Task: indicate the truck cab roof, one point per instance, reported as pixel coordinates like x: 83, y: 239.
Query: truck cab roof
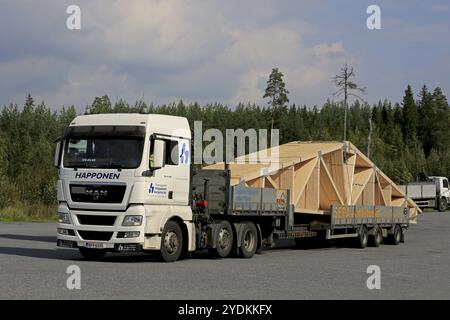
x: 155, y: 123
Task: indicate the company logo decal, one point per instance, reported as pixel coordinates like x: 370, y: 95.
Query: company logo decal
x: 97, y: 175
x: 184, y: 155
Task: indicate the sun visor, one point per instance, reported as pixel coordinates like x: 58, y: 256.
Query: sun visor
x: 105, y: 131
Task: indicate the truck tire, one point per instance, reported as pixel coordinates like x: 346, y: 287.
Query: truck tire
x: 377, y: 237
x: 442, y: 205
x: 171, y: 242
x: 224, y: 240
x: 92, y: 254
x: 395, y: 237
x: 363, y: 237
x: 248, y: 241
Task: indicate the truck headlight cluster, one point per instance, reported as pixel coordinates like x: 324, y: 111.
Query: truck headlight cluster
x: 64, y: 218
x: 132, y: 221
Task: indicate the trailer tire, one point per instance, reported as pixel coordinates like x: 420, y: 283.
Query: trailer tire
x: 363, y: 237
x: 92, y: 254
x: 248, y: 240
x: 171, y: 242
x: 442, y: 205
x: 396, y: 237
x: 377, y: 237
x: 224, y: 240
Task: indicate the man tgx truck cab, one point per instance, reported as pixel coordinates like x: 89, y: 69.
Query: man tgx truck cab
x: 119, y: 187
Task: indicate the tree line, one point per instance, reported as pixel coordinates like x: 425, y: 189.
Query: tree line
x: 407, y: 139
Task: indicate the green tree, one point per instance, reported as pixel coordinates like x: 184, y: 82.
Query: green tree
x: 276, y: 92
x: 410, y: 117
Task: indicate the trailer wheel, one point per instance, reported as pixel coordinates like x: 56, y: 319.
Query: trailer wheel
x: 248, y: 241
x: 171, y: 242
x: 92, y: 254
x: 377, y: 237
x: 396, y: 237
x: 224, y: 240
x: 442, y: 204
x: 363, y: 237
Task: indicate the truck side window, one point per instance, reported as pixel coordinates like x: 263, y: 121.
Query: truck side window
x: 445, y: 183
x: 172, y: 153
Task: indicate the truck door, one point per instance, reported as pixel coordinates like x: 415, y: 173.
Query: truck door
x: 162, y: 183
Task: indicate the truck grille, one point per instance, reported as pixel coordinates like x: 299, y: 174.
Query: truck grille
x: 95, y: 235
x: 97, y: 193
x: 96, y: 220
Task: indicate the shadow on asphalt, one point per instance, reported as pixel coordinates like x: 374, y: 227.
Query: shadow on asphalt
x: 68, y: 254
x: 29, y: 237
x: 41, y: 253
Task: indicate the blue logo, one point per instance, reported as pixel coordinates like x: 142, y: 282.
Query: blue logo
x: 152, y: 188
x: 184, y: 156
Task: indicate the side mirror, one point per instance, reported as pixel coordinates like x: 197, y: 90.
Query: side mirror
x: 159, y: 152
x: 57, y: 159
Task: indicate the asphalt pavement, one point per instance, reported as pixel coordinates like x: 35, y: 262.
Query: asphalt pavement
x: 31, y: 267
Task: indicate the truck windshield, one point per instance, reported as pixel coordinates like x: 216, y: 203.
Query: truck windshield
x: 103, y: 147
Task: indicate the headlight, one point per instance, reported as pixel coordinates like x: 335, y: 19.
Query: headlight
x: 132, y: 221
x: 63, y: 218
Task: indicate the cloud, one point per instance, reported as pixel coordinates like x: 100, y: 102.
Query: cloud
x: 164, y: 50
x: 439, y: 8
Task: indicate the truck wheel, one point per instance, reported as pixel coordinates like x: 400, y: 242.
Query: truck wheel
x: 224, y: 240
x: 171, y: 242
x: 442, y: 204
x: 377, y: 237
x: 92, y: 254
x: 249, y: 240
x: 363, y: 237
x: 396, y: 237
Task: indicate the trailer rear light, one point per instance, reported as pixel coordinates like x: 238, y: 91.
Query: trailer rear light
x: 202, y: 203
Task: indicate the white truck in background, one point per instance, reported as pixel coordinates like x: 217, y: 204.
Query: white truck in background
x: 125, y: 183
x: 432, y: 193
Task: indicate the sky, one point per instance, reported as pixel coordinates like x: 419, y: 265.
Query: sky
x: 162, y: 51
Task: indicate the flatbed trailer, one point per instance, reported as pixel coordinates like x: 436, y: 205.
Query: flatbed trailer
x: 275, y: 217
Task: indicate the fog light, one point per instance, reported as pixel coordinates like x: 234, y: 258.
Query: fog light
x: 128, y: 234
x: 66, y: 232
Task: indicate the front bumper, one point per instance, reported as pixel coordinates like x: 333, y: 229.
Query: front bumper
x: 82, y: 233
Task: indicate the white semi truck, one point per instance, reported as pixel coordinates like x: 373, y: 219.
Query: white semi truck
x: 432, y: 193
x: 126, y: 184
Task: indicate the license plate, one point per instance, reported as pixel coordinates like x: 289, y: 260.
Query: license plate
x: 95, y: 245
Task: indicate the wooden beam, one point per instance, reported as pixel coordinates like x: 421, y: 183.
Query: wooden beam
x: 361, y: 178
x: 349, y: 172
x: 328, y: 192
x: 302, y: 174
x: 334, y: 162
x: 272, y: 182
